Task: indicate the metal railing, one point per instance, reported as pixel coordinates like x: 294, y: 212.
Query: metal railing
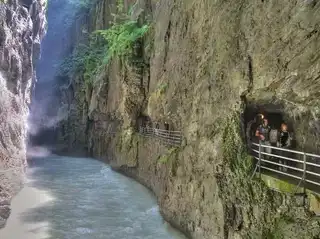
x: 291, y: 163
x: 166, y: 136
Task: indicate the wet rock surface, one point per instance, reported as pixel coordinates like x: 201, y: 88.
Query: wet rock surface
x: 20, y: 34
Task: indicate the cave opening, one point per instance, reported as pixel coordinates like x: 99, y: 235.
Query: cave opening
x: 143, y: 121
x: 253, y: 115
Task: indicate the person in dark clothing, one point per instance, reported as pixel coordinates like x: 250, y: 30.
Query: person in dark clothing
x: 251, y: 128
x: 156, y: 130
x: 284, y: 136
x: 166, y: 125
x: 284, y: 141
x: 262, y: 133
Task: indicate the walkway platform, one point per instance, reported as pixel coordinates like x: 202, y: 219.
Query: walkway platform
x: 301, y: 177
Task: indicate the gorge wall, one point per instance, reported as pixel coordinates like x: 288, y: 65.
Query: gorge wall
x: 22, y: 26
x: 199, y: 67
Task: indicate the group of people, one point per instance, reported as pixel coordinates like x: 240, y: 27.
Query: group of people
x: 148, y: 125
x: 280, y: 138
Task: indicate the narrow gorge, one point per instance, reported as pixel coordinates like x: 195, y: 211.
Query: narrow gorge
x: 201, y: 68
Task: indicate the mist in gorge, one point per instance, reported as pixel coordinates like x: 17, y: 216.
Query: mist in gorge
x: 46, y: 111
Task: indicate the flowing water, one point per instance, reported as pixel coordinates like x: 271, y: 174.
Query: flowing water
x: 79, y: 198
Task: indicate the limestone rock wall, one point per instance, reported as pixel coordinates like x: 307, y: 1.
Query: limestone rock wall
x: 21, y: 30
x: 90, y: 124
x: 201, y: 59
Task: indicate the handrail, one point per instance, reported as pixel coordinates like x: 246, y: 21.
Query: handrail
x: 279, y: 156
x: 299, y: 173
x: 282, y: 149
x: 164, y: 130
x: 279, y: 164
x: 167, y: 136
x: 290, y: 151
x: 313, y: 155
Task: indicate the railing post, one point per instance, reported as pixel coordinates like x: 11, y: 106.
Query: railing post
x: 304, y: 171
x: 259, y: 159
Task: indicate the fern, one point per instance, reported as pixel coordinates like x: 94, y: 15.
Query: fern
x: 117, y: 41
x: 122, y: 37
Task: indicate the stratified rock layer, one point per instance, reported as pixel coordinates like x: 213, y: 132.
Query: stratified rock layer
x: 22, y: 27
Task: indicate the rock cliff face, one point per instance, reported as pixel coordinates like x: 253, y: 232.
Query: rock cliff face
x: 201, y: 66
x: 22, y: 26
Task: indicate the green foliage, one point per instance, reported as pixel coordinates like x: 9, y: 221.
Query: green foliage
x: 122, y: 37
x: 130, y: 11
x: 278, y: 231
x: 86, y: 59
x: 234, y: 150
x: 162, y: 88
x: 117, y: 41
x: 120, y: 5
x: 165, y: 158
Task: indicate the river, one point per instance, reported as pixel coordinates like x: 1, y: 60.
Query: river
x: 81, y: 198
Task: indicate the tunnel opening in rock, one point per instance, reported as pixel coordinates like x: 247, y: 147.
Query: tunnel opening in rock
x: 254, y: 115
x: 143, y: 121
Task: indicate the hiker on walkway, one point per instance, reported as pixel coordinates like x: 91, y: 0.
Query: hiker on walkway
x: 156, y: 130
x: 273, y: 139
x: 251, y: 127
x: 262, y: 133
x: 284, y: 141
x: 166, y: 125
x: 146, y: 125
